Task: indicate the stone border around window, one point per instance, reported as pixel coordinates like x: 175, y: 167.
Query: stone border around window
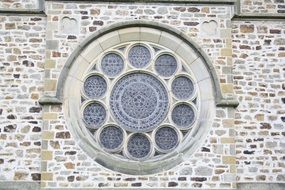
x: 166, y: 33
x: 79, y: 62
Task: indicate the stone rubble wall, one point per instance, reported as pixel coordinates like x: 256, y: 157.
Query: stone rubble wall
x: 259, y: 62
x: 22, y: 54
x: 34, y: 48
x: 263, y: 6
x: 19, y: 4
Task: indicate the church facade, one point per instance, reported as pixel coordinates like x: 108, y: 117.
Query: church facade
x: 164, y: 94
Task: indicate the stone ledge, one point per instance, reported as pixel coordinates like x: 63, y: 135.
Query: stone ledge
x: 19, y: 185
x: 49, y: 100
x: 262, y: 17
x: 22, y: 12
x: 227, y: 103
x: 160, y: 1
x: 261, y: 186
x: 35, y: 186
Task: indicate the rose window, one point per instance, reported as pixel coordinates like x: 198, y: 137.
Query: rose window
x: 139, y: 101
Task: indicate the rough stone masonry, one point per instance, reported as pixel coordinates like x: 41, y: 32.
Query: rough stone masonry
x: 244, y: 40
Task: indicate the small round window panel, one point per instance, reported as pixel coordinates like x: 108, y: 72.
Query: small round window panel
x: 166, y: 138
x: 112, y: 64
x: 182, y: 87
x: 166, y: 65
x: 139, y: 56
x: 111, y: 137
x: 94, y: 115
x: 95, y: 86
x: 139, y: 146
x: 183, y: 115
x: 139, y: 102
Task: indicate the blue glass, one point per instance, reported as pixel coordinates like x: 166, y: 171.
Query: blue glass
x: 139, y: 102
x: 139, y: 146
x: 139, y: 56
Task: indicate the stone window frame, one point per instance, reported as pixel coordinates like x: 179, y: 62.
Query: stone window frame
x: 150, y: 70
x: 164, y: 35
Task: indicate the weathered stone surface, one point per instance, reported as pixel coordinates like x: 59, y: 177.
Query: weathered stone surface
x: 247, y: 28
x: 203, y: 171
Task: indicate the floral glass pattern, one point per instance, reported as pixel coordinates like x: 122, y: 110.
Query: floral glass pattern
x: 139, y: 56
x: 95, y: 86
x: 144, y: 112
x: 112, y: 64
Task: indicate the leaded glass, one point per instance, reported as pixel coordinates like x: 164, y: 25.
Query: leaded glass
x: 112, y: 64
x: 139, y: 146
x: 139, y: 56
x: 94, y: 115
x: 166, y: 138
x: 139, y: 102
x: 111, y: 137
x: 183, y: 115
x: 182, y: 87
x: 95, y: 86
x: 166, y: 65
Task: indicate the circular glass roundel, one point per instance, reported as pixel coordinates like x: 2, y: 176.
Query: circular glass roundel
x: 182, y: 87
x: 94, y: 115
x: 165, y: 65
x: 111, y: 137
x: 139, y: 56
x: 166, y: 138
x: 139, y: 102
x: 112, y: 64
x: 139, y: 146
x: 183, y: 115
x: 95, y: 86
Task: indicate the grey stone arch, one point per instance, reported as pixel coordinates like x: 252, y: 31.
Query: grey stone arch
x: 219, y: 99
x: 71, y: 79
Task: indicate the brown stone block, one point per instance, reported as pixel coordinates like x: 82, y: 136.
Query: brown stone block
x: 259, y: 117
x: 247, y: 28
x: 69, y: 165
x: 47, y: 135
x: 20, y: 175
x: 46, y: 155
x: 10, y: 26
x: 50, y: 85
x: 45, y: 176
x: 227, y: 88
x: 228, y: 123
x: 49, y: 64
x: 229, y: 160
x: 226, y: 52
x: 227, y: 140
x: 49, y: 116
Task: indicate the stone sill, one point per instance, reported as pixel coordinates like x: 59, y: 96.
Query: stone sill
x: 158, y: 1
x: 23, y: 185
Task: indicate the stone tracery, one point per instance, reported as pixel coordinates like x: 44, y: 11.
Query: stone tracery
x: 140, y: 101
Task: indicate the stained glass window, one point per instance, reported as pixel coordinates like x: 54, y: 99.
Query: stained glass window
x: 143, y: 112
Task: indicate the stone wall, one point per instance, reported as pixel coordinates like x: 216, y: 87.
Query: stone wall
x: 263, y: 6
x: 22, y: 54
x: 259, y: 60
x: 246, y: 145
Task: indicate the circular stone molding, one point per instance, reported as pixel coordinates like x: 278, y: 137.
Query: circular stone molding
x: 141, y: 107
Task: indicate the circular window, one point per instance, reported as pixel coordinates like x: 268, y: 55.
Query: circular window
x: 144, y: 113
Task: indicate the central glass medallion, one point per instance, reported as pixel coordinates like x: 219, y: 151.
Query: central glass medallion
x: 139, y: 102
